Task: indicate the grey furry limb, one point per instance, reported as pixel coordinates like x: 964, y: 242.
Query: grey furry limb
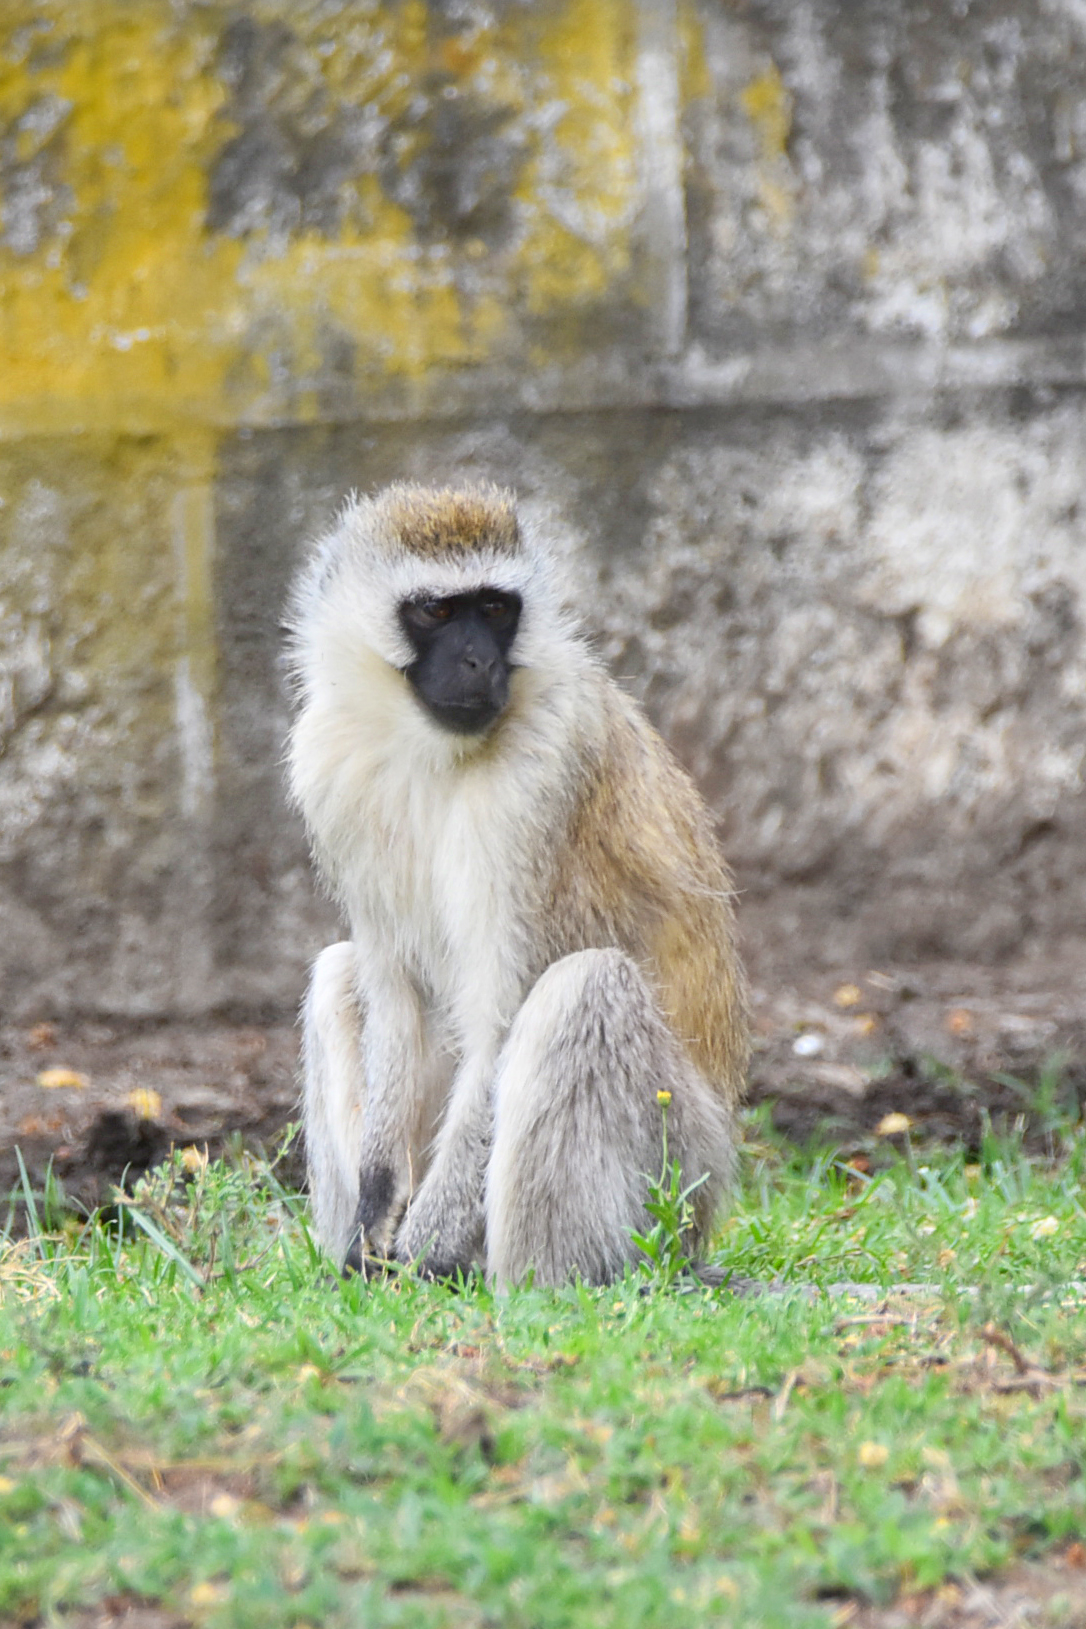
x: 578, y: 1124
x: 333, y: 1096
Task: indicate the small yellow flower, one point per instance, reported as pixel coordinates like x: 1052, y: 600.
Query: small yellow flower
x: 847, y: 995
x: 872, y: 1455
x: 663, y: 1097
x: 689, y: 1529
x: 1045, y: 1228
x: 194, y: 1159
x: 892, y: 1125
x: 207, y: 1594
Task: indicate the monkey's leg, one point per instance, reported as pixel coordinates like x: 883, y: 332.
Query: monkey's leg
x: 443, y: 1228
x: 373, y: 1087
x: 334, y: 1091
x: 578, y: 1125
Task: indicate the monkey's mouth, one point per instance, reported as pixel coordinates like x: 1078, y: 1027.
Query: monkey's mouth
x: 470, y: 716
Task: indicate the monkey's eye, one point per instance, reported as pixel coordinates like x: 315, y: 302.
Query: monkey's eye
x: 430, y: 613
x: 498, y: 609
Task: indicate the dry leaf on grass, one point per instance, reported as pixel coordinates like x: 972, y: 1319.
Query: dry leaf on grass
x: 54, y: 1079
x: 892, y: 1125
x: 145, y: 1103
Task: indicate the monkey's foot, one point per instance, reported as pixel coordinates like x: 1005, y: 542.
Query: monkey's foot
x: 452, y: 1273
x: 439, y: 1246
x: 438, y: 1265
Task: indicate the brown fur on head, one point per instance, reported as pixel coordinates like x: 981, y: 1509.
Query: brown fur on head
x: 435, y: 521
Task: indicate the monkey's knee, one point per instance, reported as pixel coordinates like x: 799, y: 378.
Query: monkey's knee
x: 333, y: 1091
x: 578, y: 1124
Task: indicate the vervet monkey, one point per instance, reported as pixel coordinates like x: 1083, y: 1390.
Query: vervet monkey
x: 541, y: 935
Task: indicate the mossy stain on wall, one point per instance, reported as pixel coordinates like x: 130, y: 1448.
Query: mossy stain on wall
x: 767, y: 103
x: 244, y: 217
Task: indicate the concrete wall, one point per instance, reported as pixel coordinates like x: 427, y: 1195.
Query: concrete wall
x: 775, y: 310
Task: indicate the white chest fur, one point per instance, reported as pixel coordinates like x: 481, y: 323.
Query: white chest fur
x: 430, y: 880
x: 422, y: 835
x: 435, y: 843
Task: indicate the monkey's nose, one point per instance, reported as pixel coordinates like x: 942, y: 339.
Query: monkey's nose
x: 478, y: 664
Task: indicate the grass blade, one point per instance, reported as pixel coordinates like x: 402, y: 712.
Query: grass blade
x: 164, y: 1243
x: 33, y: 1220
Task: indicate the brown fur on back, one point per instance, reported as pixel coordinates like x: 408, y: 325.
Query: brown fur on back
x: 642, y: 871
x: 434, y: 521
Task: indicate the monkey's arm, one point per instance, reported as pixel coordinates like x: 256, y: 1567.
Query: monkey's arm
x: 393, y: 1054
x: 444, y: 1224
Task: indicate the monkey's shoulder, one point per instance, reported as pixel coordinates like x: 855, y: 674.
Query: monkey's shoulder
x: 639, y: 806
x: 641, y: 869
x: 639, y: 849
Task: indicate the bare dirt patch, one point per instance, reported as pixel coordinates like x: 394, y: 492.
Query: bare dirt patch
x: 127, y: 1093
x: 945, y: 1045
x: 834, y: 1053
x: 127, y: 1612
x: 1049, y: 1594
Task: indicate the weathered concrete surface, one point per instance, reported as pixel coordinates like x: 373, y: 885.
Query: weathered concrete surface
x: 299, y: 209
x: 774, y: 312
x: 887, y: 170
x: 892, y: 732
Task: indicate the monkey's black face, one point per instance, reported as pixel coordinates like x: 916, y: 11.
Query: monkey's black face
x: 461, y: 667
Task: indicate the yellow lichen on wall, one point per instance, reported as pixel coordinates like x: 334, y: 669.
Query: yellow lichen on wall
x: 124, y: 304
x: 108, y: 763
x: 122, y: 298
x: 579, y: 191
x: 767, y: 103
x: 92, y: 541
x: 696, y: 79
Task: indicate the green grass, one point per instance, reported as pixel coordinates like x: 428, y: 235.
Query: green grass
x: 194, y: 1412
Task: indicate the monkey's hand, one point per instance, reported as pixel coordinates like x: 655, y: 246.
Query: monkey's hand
x: 362, y: 1263
x: 442, y: 1232
x: 373, y: 1217
x: 445, y: 1225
